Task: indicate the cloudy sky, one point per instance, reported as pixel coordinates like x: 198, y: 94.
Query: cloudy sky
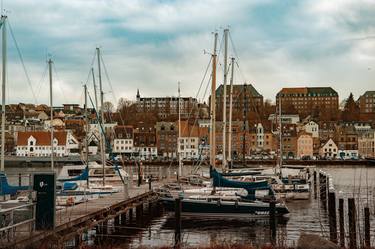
x: 151, y: 45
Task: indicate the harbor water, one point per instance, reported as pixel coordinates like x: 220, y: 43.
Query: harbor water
x: 157, y: 227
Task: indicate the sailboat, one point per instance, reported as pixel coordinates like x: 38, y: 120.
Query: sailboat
x: 216, y: 204
x: 5, y: 188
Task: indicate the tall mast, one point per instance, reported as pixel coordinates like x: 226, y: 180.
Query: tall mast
x: 225, y: 96
x: 230, y: 114
x: 86, y: 136
x: 213, y: 107
x: 179, y: 132
x: 93, y: 82
x: 4, y: 51
x: 102, y: 137
x: 244, y: 125
x: 280, y: 138
x: 51, y: 104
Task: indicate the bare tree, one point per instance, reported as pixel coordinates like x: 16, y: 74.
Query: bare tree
x: 108, y: 107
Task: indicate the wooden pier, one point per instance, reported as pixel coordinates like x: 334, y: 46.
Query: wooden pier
x: 72, y: 222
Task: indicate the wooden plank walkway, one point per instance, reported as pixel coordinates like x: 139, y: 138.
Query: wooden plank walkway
x: 72, y: 220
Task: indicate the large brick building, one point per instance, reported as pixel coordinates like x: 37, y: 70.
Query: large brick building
x: 167, y: 106
x: 306, y: 100
x: 166, y: 139
x: 244, y: 96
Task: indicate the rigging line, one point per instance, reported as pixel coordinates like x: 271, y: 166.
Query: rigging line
x: 91, y: 65
x: 41, y: 81
x: 22, y: 61
x: 110, y: 84
x: 58, y: 79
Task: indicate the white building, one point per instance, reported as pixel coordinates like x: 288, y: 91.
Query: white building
x: 188, y: 147
x: 123, y: 141
x: 260, y: 135
x: 285, y: 118
x: 329, y: 149
x: 146, y: 153
x: 38, y: 143
x: 313, y: 128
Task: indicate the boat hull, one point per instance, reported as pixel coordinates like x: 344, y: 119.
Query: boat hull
x: 223, y: 208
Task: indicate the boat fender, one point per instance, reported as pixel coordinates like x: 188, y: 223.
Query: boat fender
x: 218, y: 202
x: 236, y: 203
x: 70, y: 201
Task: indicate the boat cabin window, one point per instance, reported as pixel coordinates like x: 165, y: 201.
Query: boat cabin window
x: 74, y: 172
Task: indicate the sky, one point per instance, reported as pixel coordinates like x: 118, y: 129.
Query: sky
x: 151, y: 45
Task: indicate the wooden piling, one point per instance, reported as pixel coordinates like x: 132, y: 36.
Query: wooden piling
x: 131, y: 214
x: 332, y: 217
x: 367, y: 227
x: 352, y: 223
x: 78, y: 240
x: 315, y: 183
x: 123, y: 218
x: 105, y: 227
x: 177, y: 213
x: 116, y: 223
x: 273, y: 221
x: 139, y: 211
x: 20, y: 180
x: 341, y: 222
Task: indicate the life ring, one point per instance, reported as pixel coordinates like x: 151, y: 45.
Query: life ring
x: 70, y: 201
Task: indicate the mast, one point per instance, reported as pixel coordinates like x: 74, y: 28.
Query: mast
x: 225, y: 96
x: 102, y: 138
x: 230, y: 115
x: 213, y: 107
x: 179, y: 133
x: 280, y: 138
x: 93, y: 82
x: 86, y: 136
x: 244, y: 125
x: 51, y: 104
x: 3, y: 78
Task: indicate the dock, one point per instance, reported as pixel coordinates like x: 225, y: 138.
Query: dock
x: 73, y: 221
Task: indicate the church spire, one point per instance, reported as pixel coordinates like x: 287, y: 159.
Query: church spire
x: 138, y: 95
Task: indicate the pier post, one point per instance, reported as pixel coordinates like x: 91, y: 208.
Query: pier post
x: 105, y: 227
x: 19, y: 179
x: 139, y: 211
x: 323, y: 189
x: 123, y: 218
x: 149, y: 182
x: 332, y: 217
x: 273, y: 221
x: 177, y: 212
x: 315, y: 183
x: 78, y: 240
x: 341, y: 222
x: 352, y: 224
x: 117, y: 223
x: 367, y: 227
x: 131, y: 214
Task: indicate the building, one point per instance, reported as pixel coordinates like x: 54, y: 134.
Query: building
x: 166, y: 139
x: 167, y: 106
x: 285, y: 118
x: 327, y: 130
x: 123, y: 140
x: 244, y: 97
x: 289, y: 141
x: 145, y: 141
x: 347, y: 141
x: 366, y: 144
x: 367, y: 102
x: 305, y: 145
x: 306, y: 100
x: 38, y: 144
x: 312, y: 128
x: 329, y: 150
x: 193, y: 141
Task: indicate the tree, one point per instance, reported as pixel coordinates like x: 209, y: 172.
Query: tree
x: 108, y: 107
x: 351, y: 110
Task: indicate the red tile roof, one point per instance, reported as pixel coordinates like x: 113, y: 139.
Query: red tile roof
x: 43, y: 138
